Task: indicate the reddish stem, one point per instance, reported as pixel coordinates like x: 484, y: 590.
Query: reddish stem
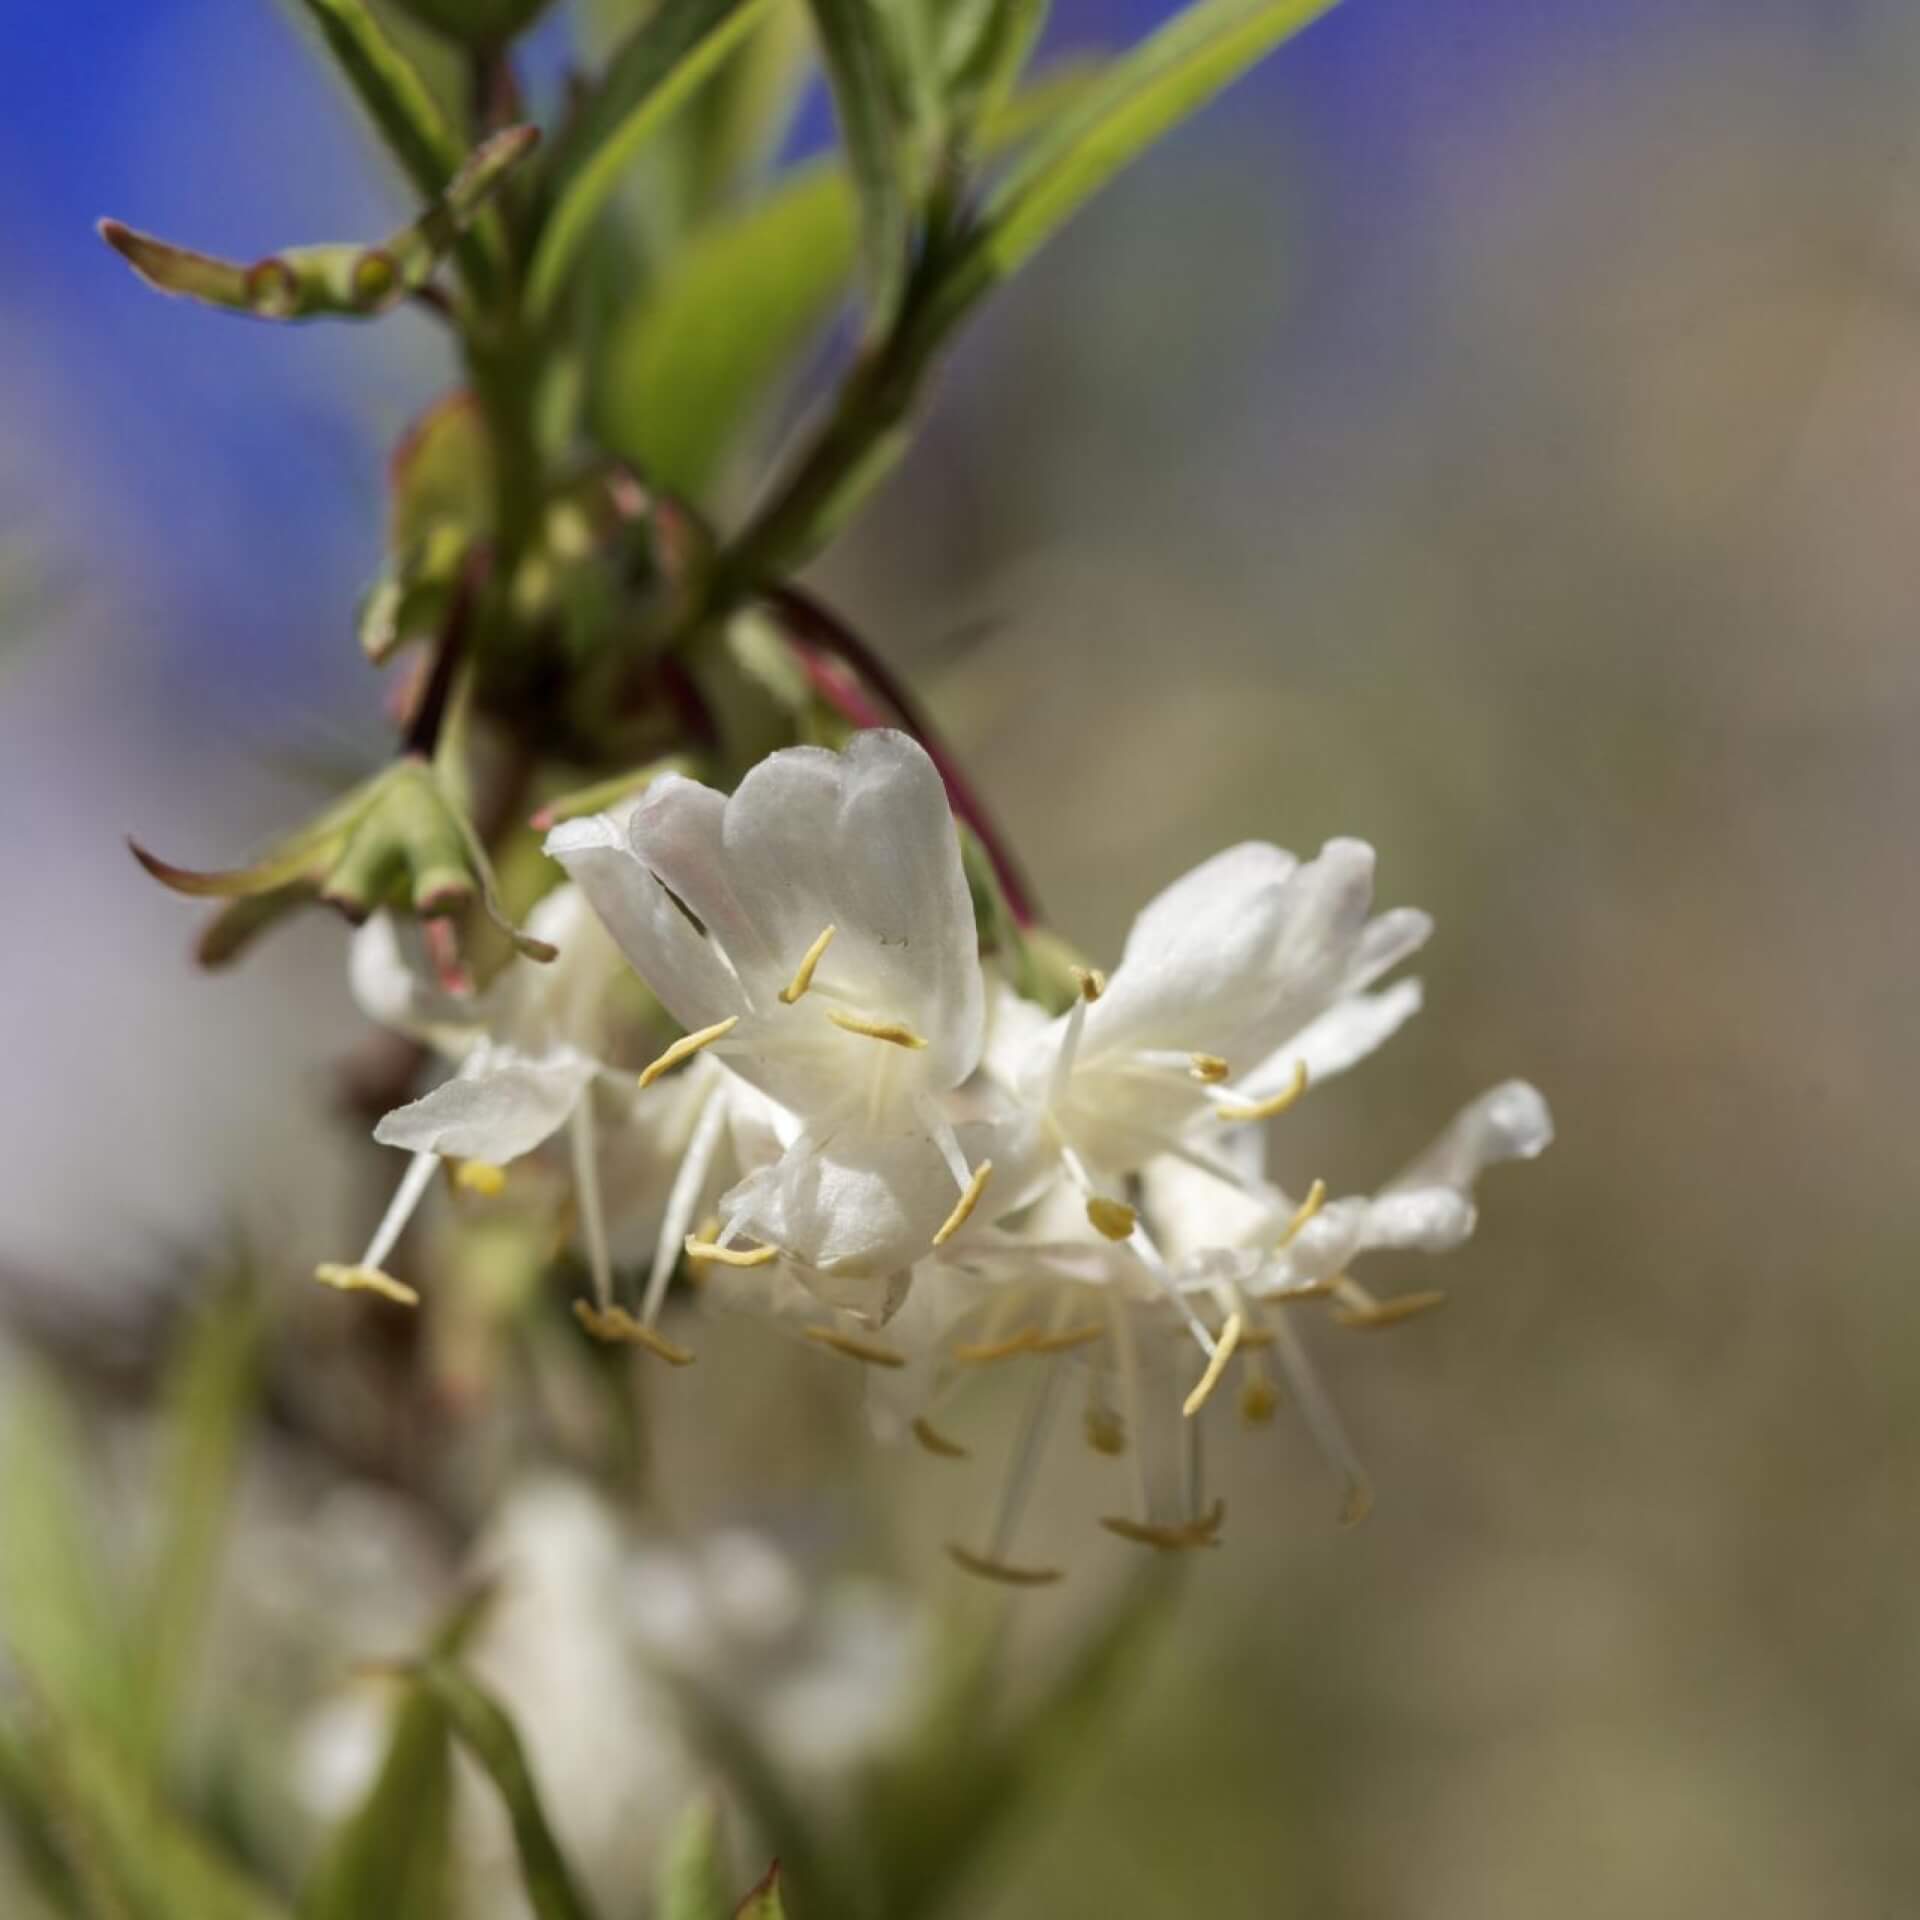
x: 815, y: 629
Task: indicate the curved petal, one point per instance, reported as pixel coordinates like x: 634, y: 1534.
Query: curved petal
x: 1261, y: 947
x: 694, y: 983
x: 1342, y: 1037
x: 863, y: 840
x: 1509, y: 1122
x: 495, y: 1115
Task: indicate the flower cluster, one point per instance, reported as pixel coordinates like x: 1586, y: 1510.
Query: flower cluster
x: 881, y: 1142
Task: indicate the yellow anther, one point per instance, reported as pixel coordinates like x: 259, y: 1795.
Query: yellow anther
x: 1374, y: 1316
x: 985, y: 1352
x: 686, y: 1047
x: 937, y: 1443
x: 1203, y: 1532
x: 803, y: 974
x: 982, y: 1568
x: 1258, y: 1401
x: 1091, y: 982
x: 1066, y: 1339
x: 479, y: 1176
x: 1356, y: 1503
x: 346, y: 1279
x: 1113, y: 1219
x: 896, y: 1033
x: 698, y: 1249
x: 871, y: 1352
x: 1106, y: 1431
x: 1272, y: 1107
x: 617, y: 1327
x: 1217, y: 1365
x: 1209, y: 1068
x: 1315, y: 1200
x: 964, y: 1206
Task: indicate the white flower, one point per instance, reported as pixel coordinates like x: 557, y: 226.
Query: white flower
x: 1237, y: 984
x: 815, y: 931
x: 527, y: 1058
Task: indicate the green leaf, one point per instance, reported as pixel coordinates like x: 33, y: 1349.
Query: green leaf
x: 984, y: 48
x: 483, y: 1728
x: 54, y: 1582
x: 392, y: 1857
x: 1143, y: 96
x: 210, y: 1392
x: 662, y: 63
x: 855, y: 46
x: 684, y: 371
x: 764, y: 1902
x: 131, y: 1853
x: 692, y: 1879
x: 391, y: 90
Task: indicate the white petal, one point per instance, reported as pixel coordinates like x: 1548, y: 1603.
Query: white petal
x: 1261, y: 948
x: 864, y: 841
x: 858, y: 1208
x: 1511, y: 1122
x: 495, y: 1115
x: 1424, y: 1219
x: 676, y: 831
x: 670, y: 954
x: 1342, y: 1037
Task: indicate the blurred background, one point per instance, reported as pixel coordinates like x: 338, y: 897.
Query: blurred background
x: 1490, y: 431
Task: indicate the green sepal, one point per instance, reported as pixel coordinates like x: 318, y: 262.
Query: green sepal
x: 399, y: 840
x: 764, y: 1901
x: 341, y: 282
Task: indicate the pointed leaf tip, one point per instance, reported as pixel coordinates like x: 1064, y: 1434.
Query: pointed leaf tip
x: 764, y: 1902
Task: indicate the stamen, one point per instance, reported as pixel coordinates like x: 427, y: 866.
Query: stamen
x: 895, y: 1032
x: 363, y: 1279
x: 684, y: 1195
x: 479, y: 1176
x: 1065, y: 1339
x: 706, y: 1233
x: 1187, y: 1534
x: 855, y: 1348
x: 803, y: 974
x: 686, y: 1047
x: 1315, y: 1200
x: 699, y: 1249
x: 586, y: 1186
x: 1106, y: 1431
x: 617, y: 1327
x: 983, y: 1568
x: 1258, y: 1400
x: 1323, y: 1422
x: 1209, y: 1068
x: 1229, y: 1340
x: 1091, y: 982
x: 985, y: 1352
x: 1113, y: 1219
x: 1355, y: 1307
x: 1272, y: 1107
x: 964, y: 1206
x: 937, y: 1443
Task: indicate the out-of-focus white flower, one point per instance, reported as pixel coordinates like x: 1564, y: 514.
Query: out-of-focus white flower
x: 597, y: 1633
x: 814, y: 930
